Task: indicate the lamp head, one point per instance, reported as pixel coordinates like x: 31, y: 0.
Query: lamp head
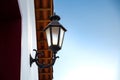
x: 55, y: 33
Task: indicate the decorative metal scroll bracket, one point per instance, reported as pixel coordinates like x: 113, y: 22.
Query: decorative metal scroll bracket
x: 42, y: 65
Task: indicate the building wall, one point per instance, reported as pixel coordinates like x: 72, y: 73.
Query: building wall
x: 28, y: 41
x: 18, y: 39
x: 10, y: 40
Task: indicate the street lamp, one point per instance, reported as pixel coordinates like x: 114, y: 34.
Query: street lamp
x: 55, y: 35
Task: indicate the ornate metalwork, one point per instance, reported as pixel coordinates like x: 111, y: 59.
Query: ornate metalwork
x: 42, y: 65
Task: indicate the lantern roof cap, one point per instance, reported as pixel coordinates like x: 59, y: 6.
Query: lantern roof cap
x: 55, y: 17
x: 55, y: 24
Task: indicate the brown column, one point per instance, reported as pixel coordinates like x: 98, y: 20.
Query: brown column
x: 43, y: 10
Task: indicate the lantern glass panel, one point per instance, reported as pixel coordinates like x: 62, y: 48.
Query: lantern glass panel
x: 55, y: 33
x: 61, y: 37
x: 48, y: 36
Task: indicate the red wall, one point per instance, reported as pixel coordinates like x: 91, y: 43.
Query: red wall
x: 10, y: 40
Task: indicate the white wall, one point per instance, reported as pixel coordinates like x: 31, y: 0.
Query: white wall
x: 28, y: 40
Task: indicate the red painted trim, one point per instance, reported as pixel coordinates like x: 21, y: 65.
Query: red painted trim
x: 10, y: 40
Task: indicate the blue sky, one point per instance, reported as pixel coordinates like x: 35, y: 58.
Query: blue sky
x: 91, y: 47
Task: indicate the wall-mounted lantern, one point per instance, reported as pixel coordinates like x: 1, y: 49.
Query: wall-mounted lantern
x: 55, y: 35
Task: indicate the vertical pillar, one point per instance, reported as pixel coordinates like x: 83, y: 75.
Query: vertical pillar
x: 43, y: 10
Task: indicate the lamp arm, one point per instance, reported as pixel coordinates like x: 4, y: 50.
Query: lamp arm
x: 47, y: 65
x: 40, y: 65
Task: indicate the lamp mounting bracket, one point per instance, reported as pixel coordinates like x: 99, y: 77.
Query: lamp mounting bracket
x: 42, y: 65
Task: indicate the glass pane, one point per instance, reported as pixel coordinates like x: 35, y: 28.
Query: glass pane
x: 61, y: 37
x: 55, y: 32
x: 48, y: 36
